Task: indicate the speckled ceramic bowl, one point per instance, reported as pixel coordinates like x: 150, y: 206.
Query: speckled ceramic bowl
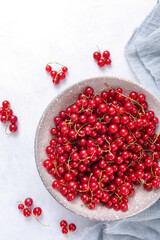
x: 141, y: 200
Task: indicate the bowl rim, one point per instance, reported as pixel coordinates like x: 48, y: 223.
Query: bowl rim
x: 41, y: 119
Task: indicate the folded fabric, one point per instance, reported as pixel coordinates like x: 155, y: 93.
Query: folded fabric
x: 143, y: 55
x: 143, y: 51
x: 144, y: 226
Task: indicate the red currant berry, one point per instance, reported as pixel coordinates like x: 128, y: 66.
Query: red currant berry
x: 3, y: 119
x: 70, y: 196
x: 124, y: 206
x: 26, y: 212
x: 56, y: 80
x: 108, y: 61
x: 101, y: 62
x: 97, y: 55
x: 55, y: 184
x: 5, y: 104
x: 20, y: 206
x: 28, y: 202
x: 48, y: 68
x: 13, y: 127
x: 64, y: 69
x: 72, y: 227
x: 13, y: 119
x: 63, y: 223
x: 61, y: 75
x: 47, y: 163
x: 106, y: 54
x: 64, y: 230
x: 53, y: 74
x: 37, y: 211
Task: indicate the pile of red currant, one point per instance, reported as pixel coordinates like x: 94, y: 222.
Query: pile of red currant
x: 102, y: 58
x: 6, y: 114
x: 103, y: 145
x: 27, y: 212
x: 57, y: 75
x: 67, y: 228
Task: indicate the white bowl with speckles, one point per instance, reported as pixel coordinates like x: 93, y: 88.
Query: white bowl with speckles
x: 141, y: 200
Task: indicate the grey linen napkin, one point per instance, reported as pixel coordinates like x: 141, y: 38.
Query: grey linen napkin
x: 143, y: 51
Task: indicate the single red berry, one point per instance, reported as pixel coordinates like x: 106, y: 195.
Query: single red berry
x: 20, y: 206
x: 101, y: 62
x: 91, y: 205
x: 26, y: 212
x: 64, y: 230
x: 141, y: 98
x: 155, y: 182
x: 124, y: 206
x: 3, y: 119
x: 5, y: 104
x: 55, y: 184
x: 53, y: 74
x: 9, y: 112
x: 108, y: 61
x: 61, y: 75
x: 47, y: 163
x: 13, y: 127
x: 37, y: 211
x: 85, y: 197
x: 28, y: 202
x: 106, y: 54
x: 64, y: 69
x: 70, y: 196
x: 97, y: 55
x: 63, y: 223
x: 56, y: 80
x: 48, y: 68
x: 72, y: 227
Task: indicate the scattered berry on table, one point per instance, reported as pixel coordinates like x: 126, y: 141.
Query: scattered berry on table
x: 20, y: 206
x: 72, y: 227
x: 27, y: 211
x: 57, y: 75
x: 63, y: 223
x: 37, y: 211
x: 28, y: 202
x: 67, y: 228
x: 7, y: 117
x: 102, y: 58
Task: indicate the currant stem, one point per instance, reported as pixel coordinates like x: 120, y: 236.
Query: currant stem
x: 7, y: 124
x: 98, y: 49
x: 55, y: 63
x: 68, y: 233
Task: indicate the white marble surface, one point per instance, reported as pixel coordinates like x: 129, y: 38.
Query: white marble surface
x: 31, y: 34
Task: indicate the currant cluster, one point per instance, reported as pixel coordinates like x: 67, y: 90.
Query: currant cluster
x: 28, y: 202
x: 66, y: 228
x: 6, y: 114
x: 102, y: 58
x: 27, y: 212
x: 57, y: 75
x: 103, y: 145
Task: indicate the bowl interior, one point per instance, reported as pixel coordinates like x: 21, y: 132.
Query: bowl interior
x: 141, y: 200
